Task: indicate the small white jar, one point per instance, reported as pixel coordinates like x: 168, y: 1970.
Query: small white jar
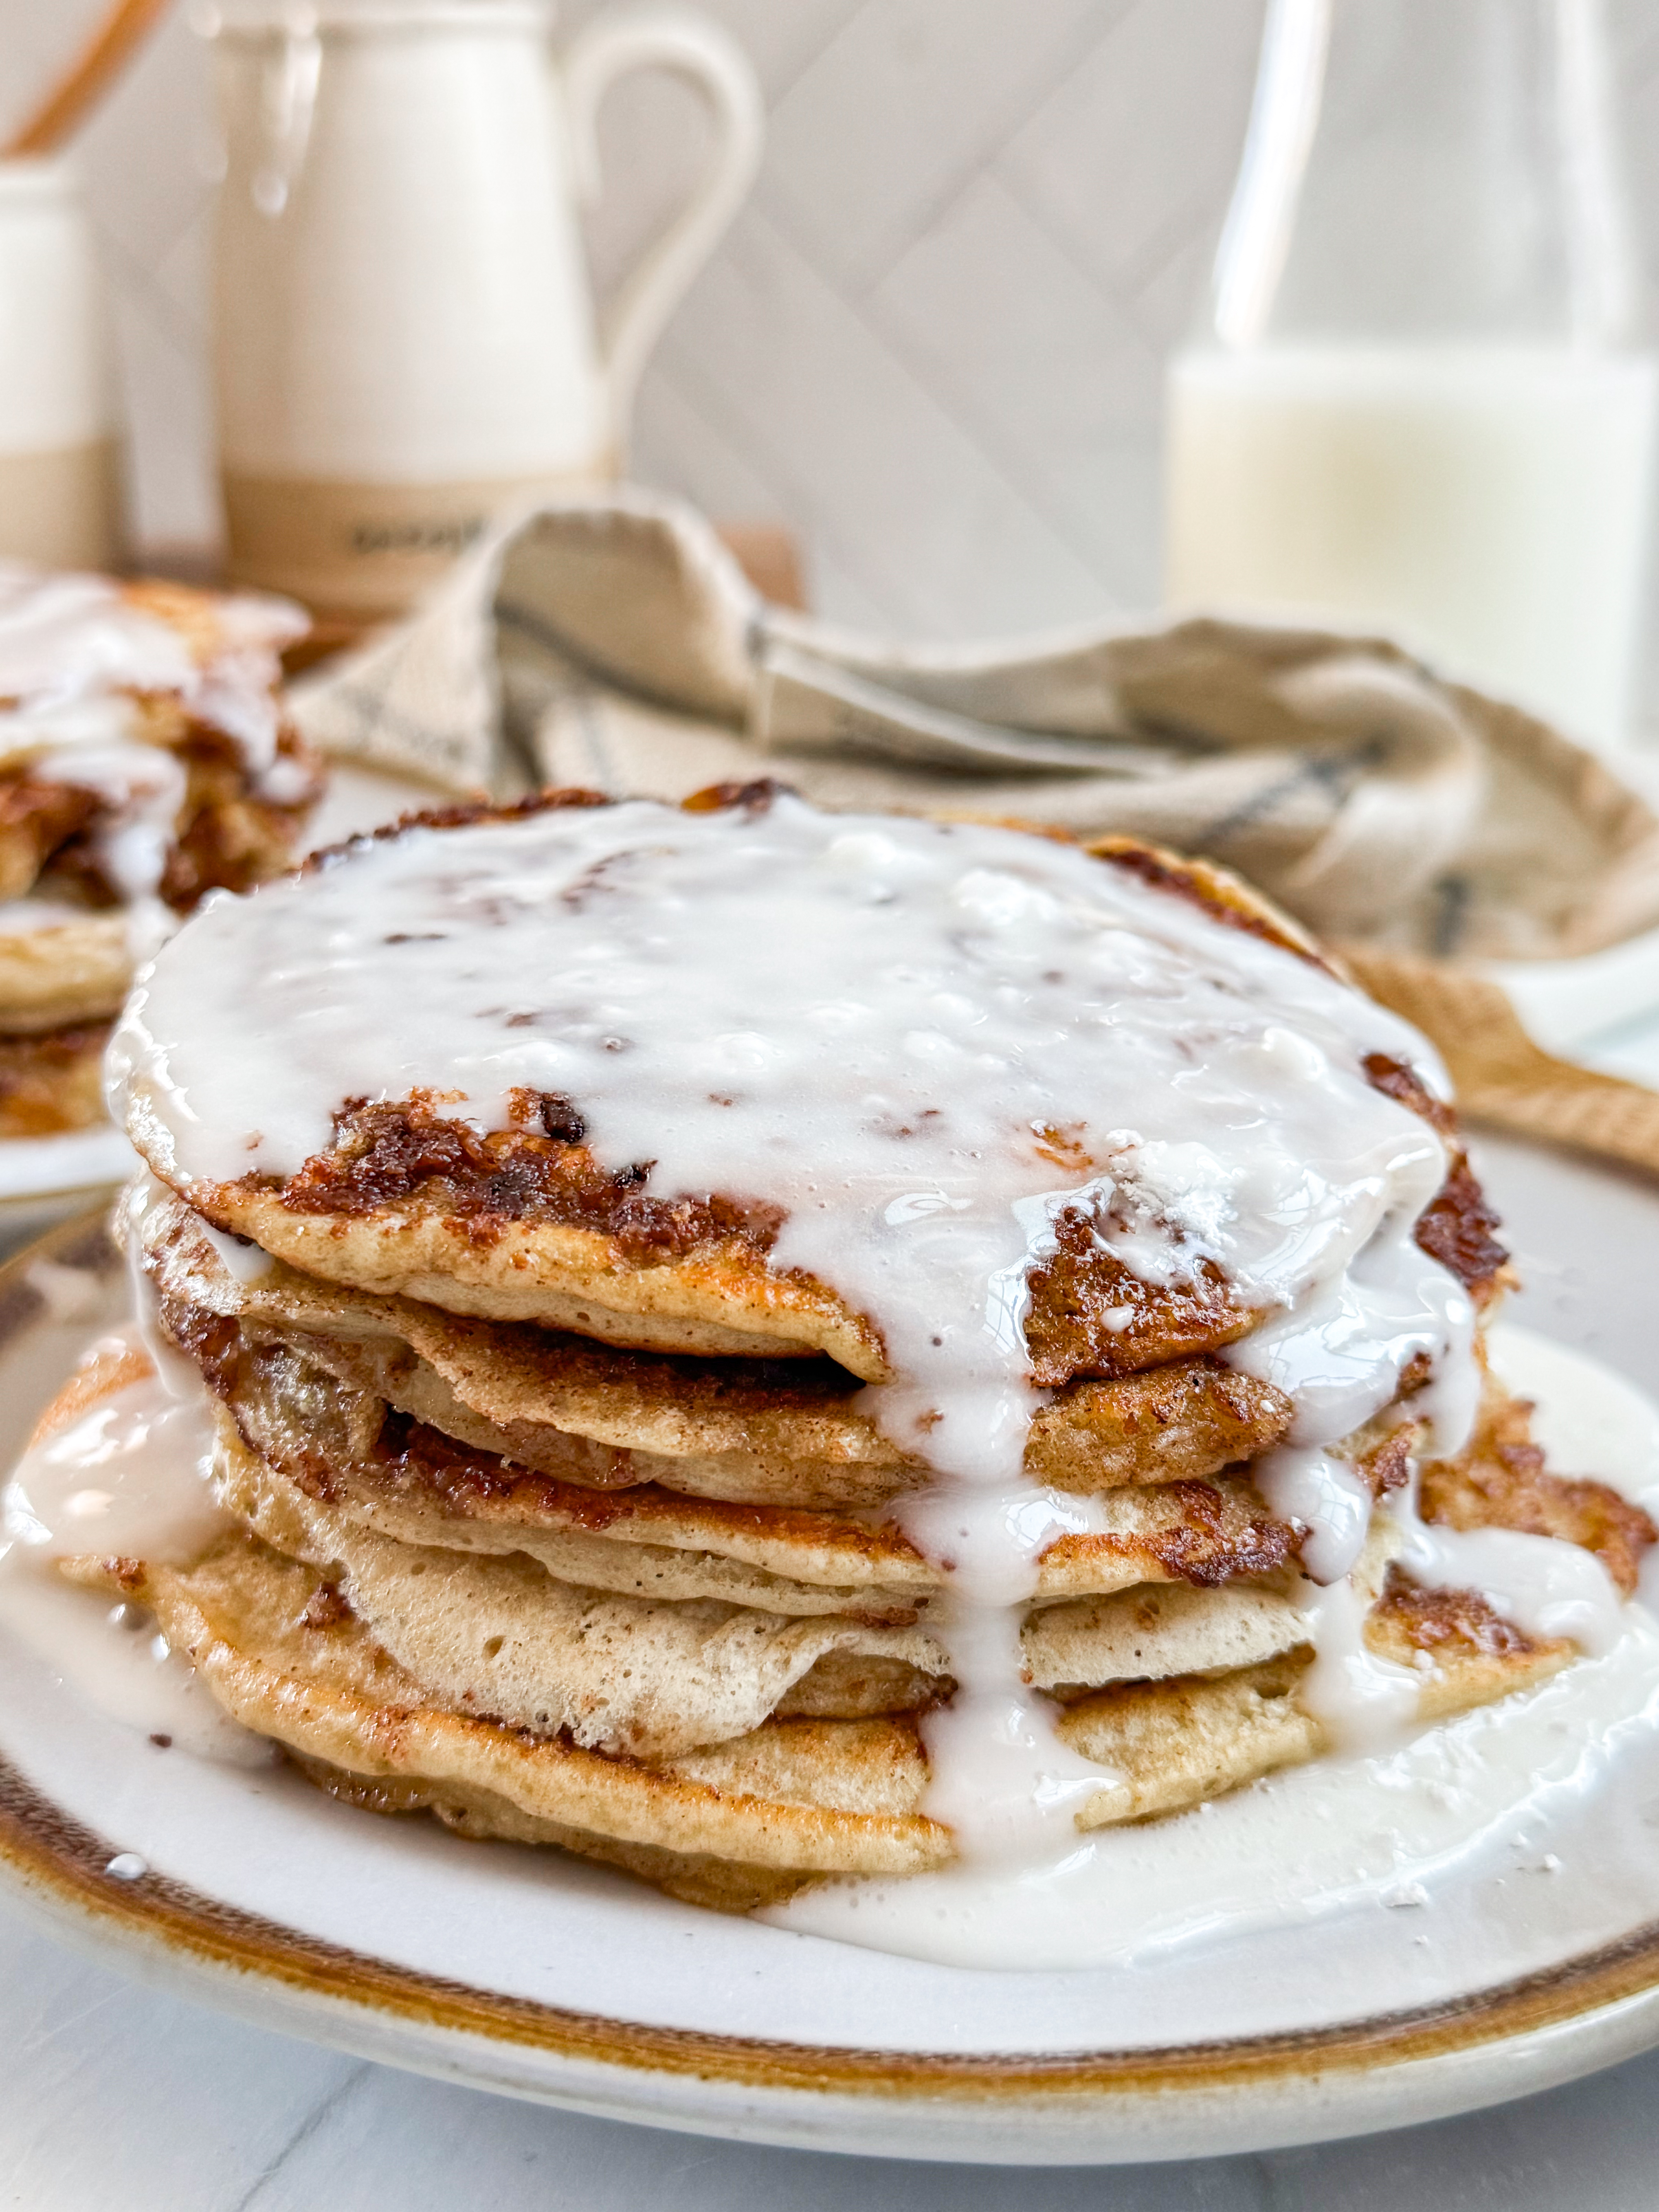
x: 59, y: 451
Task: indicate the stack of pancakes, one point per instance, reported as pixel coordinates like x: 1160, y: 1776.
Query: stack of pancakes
x: 556, y: 1511
x: 71, y: 730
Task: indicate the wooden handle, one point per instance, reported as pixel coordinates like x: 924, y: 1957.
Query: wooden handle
x: 1499, y: 1074
x: 88, y: 78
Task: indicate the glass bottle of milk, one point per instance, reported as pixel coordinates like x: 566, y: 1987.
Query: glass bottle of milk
x: 1421, y: 401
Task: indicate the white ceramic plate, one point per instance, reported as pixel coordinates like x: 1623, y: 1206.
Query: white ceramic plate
x: 529, y: 1974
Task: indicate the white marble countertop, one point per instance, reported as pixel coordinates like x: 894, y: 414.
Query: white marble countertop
x: 113, y: 2097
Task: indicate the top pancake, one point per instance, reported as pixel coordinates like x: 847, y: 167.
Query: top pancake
x: 528, y: 1217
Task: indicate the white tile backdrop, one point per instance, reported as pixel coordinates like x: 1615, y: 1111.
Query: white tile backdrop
x: 933, y: 340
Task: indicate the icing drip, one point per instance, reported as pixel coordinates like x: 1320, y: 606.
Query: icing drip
x: 129, y: 1478
x: 142, y: 788
x: 1303, y: 1484
x: 893, y: 1032
x: 1365, y: 1701
x: 1545, y: 1587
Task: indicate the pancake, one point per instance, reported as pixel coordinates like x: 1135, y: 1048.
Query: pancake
x: 677, y: 1631
x: 502, y: 1634
x: 407, y: 1479
x: 281, y: 1655
x: 795, y: 1798
x: 313, y: 1640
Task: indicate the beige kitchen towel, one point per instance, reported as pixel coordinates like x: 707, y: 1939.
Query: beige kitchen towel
x: 614, y: 643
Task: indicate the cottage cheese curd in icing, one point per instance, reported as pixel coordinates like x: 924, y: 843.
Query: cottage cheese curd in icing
x: 879, y: 1028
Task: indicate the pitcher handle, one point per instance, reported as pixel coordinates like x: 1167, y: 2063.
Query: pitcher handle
x: 676, y: 39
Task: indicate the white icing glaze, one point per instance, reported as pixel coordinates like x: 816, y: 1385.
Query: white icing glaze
x: 178, y: 1376
x: 74, y: 650
x: 1365, y: 1703
x: 128, y: 1478
x: 142, y: 788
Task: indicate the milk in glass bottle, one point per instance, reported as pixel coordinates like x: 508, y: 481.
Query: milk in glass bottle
x: 1420, y: 400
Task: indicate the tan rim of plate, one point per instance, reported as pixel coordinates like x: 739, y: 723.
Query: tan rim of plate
x: 62, y: 1867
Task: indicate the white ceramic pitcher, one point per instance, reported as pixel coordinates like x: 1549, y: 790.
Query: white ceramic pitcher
x: 406, y: 338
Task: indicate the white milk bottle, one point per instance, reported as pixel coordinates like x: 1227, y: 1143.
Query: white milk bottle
x: 1419, y: 402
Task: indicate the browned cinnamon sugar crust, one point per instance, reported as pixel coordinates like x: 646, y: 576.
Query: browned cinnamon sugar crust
x: 1075, y: 1323
x: 1467, y: 1644
x: 1220, y: 893
x: 226, y: 838
x: 552, y: 799
x: 52, y: 1083
x: 408, y: 1154
x: 1456, y: 1226
x: 1180, y: 1422
x: 1217, y: 1532
x: 1501, y: 1482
